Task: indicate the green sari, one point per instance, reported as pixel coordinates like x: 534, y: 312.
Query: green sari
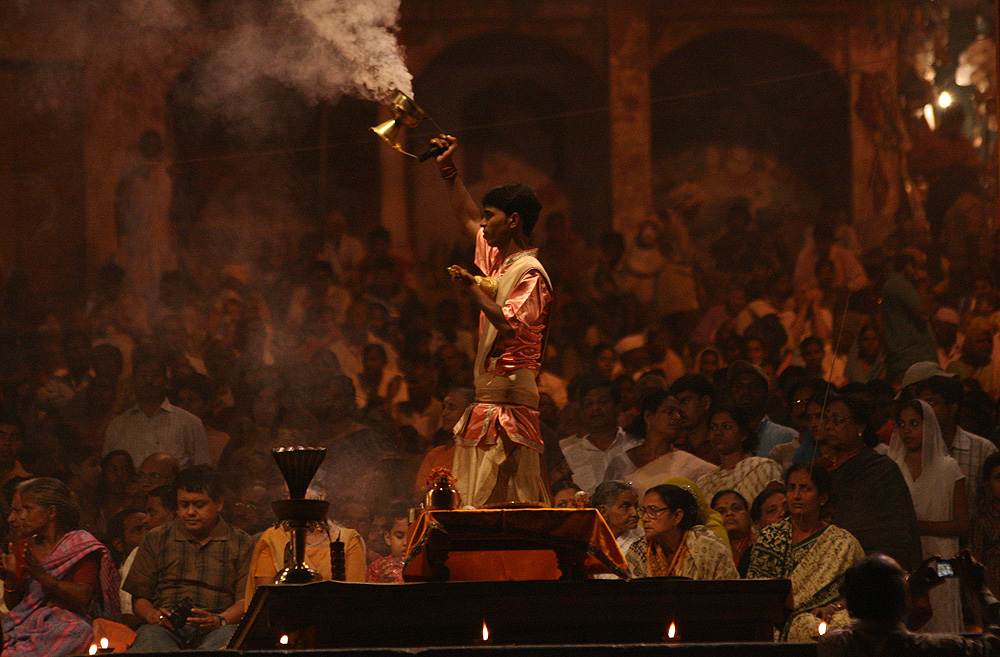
x: 816, y: 567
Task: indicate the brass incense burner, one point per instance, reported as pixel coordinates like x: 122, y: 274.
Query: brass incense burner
x: 298, y: 515
x: 406, y: 115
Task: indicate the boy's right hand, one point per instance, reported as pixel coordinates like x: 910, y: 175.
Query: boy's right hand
x: 448, y: 143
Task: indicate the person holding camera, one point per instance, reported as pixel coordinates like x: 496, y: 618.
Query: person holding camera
x: 188, y: 577
x: 884, y: 601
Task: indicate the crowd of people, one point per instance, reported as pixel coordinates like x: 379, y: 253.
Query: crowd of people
x: 757, y: 420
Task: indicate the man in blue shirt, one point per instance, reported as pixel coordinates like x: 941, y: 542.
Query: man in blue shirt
x: 746, y: 389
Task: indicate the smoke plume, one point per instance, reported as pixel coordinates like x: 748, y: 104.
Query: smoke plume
x: 323, y: 49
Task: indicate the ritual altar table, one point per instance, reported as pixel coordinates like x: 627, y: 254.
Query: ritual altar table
x: 511, y: 544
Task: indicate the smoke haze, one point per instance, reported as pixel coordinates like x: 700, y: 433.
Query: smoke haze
x: 321, y: 48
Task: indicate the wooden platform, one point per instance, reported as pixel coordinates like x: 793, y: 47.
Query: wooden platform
x: 330, y: 615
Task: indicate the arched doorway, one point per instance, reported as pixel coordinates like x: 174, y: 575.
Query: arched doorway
x: 754, y: 114
x: 526, y: 110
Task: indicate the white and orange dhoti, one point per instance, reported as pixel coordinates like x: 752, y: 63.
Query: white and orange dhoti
x: 498, y: 454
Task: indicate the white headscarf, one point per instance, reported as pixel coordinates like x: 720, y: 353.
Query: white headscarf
x: 934, y: 451
x: 933, y: 500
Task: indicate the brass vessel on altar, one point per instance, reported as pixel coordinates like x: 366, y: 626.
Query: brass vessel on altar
x: 442, y: 494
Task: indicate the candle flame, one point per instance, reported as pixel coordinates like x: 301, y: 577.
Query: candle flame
x: 486, y: 631
x: 104, y: 643
x: 672, y: 631
x: 822, y: 628
x: 93, y: 649
x: 283, y: 640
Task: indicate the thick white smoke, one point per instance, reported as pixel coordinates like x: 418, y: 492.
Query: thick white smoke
x: 247, y: 53
x: 321, y: 48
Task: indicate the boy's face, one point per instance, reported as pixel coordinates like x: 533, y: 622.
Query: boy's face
x: 395, y: 538
x: 496, y: 226
x: 157, y: 514
x: 134, y: 530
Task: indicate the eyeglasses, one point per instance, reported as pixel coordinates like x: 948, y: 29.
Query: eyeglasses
x: 651, y: 511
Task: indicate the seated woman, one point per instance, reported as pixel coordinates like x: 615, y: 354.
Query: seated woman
x: 736, y: 519
x: 676, y: 543
x: 57, y: 578
x: 813, y: 554
x: 656, y: 459
x: 736, y: 441
x: 617, y: 502
x: 564, y: 495
x: 273, y: 553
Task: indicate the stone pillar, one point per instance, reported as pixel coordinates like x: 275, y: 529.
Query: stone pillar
x: 393, y: 213
x: 631, y: 136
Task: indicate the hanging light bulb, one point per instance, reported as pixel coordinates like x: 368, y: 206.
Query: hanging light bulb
x: 945, y: 100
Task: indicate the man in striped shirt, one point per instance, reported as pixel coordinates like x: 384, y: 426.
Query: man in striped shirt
x: 197, y: 559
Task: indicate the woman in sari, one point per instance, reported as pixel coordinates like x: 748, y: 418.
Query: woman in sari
x: 57, y: 578
x: 813, y: 554
x: 735, y: 440
x: 618, y: 504
x: 656, y: 459
x: 676, y: 543
x: 937, y: 485
x: 736, y: 519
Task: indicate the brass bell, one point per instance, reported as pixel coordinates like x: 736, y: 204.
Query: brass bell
x: 406, y: 114
x: 488, y: 285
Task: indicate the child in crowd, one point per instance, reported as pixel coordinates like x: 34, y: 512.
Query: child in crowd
x: 389, y: 570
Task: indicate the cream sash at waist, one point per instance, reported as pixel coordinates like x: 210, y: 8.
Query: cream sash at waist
x: 518, y: 387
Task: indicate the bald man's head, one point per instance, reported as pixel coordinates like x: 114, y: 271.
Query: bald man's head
x: 156, y: 470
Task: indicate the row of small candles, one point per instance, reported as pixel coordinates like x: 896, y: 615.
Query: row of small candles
x: 671, y: 631
x: 283, y: 640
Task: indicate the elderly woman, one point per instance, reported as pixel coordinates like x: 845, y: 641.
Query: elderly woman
x: 676, y: 543
x: 57, y: 577
x: 735, y: 440
x: 769, y: 507
x: 617, y: 502
x: 813, y: 554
